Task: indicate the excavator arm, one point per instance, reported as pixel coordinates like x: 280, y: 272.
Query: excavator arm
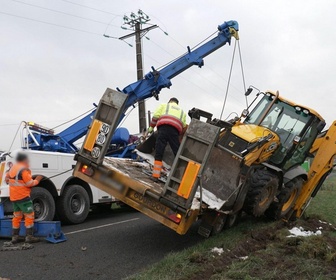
x: 324, y: 151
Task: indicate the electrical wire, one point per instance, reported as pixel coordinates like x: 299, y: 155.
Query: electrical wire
x: 208, y: 67
x: 8, y: 124
x: 127, y: 114
x: 193, y: 70
x: 74, y: 118
x: 88, y: 7
x: 64, y: 13
x: 228, y: 84
x: 49, y: 23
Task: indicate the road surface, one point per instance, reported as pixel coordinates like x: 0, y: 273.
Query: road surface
x: 112, y: 245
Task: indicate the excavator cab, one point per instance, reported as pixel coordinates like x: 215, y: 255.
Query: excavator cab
x: 296, y: 126
x: 272, y: 142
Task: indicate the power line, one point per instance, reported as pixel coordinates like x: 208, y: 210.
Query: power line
x: 74, y: 118
x: 64, y: 13
x: 54, y: 24
x: 207, y: 66
x: 88, y: 7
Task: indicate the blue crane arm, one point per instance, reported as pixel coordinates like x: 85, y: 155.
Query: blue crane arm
x: 154, y: 81
x: 77, y: 130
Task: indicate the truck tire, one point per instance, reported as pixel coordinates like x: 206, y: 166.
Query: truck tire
x: 263, y: 186
x: 74, y: 205
x: 43, y: 204
x: 285, y: 199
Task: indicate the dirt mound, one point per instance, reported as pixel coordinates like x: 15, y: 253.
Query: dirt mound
x: 269, y: 253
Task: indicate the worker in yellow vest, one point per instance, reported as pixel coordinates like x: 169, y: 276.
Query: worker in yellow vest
x: 170, y: 120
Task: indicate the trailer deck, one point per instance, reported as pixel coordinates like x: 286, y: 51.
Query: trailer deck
x: 137, y: 170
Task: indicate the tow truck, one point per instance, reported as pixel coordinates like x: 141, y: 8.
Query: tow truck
x: 51, y: 155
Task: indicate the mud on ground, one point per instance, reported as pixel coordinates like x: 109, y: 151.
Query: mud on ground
x: 269, y: 253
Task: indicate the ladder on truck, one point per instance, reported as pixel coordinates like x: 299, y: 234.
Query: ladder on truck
x: 190, y: 161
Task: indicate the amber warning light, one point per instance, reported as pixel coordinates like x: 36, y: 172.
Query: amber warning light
x: 87, y: 170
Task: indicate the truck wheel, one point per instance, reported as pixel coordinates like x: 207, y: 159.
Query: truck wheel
x: 285, y: 199
x: 74, y: 204
x: 262, y: 190
x: 43, y: 203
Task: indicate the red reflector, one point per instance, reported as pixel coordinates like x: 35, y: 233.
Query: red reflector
x: 87, y: 170
x: 175, y: 217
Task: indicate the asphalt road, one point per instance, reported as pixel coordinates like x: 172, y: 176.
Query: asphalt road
x: 110, y: 245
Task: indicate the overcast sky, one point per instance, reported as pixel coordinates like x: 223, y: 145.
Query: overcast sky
x: 50, y: 74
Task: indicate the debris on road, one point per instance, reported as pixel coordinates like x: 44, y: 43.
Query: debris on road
x: 9, y: 246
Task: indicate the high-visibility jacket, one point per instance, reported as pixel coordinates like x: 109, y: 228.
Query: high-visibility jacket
x: 20, y: 182
x: 169, y: 114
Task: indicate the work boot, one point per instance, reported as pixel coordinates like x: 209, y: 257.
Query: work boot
x: 15, y: 235
x: 29, y: 236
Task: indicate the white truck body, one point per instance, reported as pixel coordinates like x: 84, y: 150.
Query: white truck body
x: 58, y: 166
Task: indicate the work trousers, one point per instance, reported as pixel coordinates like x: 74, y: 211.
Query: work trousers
x: 23, y: 209
x: 166, y: 134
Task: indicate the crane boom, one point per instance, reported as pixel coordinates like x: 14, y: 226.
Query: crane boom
x: 154, y: 81
x: 149, y: 86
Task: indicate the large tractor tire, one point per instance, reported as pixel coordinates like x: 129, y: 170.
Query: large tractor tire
x: 74, y: 205
x: 43, y: 204
x: 263, y: 185
x: 285, y: 199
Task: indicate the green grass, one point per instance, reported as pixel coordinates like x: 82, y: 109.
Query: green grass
x: 276, y: 257
x: 324, y: 203
x: 184, y: 264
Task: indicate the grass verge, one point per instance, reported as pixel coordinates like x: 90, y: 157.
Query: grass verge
x: 257, y: 249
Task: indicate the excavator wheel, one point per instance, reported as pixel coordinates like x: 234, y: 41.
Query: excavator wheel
x: 285, y: 199
x: 232, y: 220
x: 218, y: 225
x: 263, y: 185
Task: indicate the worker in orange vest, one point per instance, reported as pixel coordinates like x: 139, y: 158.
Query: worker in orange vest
x: 170, y: 120
x: 20, y: 183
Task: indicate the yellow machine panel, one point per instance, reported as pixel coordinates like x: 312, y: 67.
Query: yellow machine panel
x: 91, y: 139
x: 188, y: 179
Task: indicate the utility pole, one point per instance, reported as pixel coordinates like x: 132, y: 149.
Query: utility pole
x: 135, y: 21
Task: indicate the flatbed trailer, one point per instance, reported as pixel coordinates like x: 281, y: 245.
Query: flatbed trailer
x: 128, y: 181
x: 195, y: 185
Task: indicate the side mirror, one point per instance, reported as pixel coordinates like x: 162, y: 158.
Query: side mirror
x: 248, y: 92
